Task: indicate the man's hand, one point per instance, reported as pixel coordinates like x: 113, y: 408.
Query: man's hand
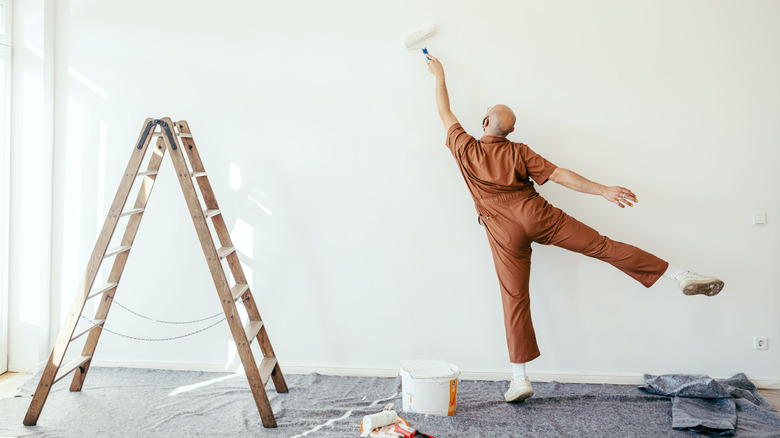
x: 619, y: 195
x: 434, y: 66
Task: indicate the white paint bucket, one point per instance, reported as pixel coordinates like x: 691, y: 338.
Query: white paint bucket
x: 429, y: 386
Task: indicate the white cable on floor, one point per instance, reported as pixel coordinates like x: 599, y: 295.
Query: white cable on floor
x: 329, y: 422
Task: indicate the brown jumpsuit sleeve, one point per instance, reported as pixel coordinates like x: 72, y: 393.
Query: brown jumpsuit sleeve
x: 458, y: 139
x: 538, y: 168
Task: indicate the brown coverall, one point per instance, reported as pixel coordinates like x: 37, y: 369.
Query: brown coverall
x: 497, y: 174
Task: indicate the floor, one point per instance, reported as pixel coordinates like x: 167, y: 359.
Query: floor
x: 773, y: 395
x: 10, y: 383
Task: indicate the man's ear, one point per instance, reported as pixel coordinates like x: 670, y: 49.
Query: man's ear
x: 485, y: 122
x: 513, y: 129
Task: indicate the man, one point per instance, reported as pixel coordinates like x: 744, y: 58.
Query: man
x: 498, y: 174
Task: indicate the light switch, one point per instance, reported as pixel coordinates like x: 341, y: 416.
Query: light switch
x: 759, y: 218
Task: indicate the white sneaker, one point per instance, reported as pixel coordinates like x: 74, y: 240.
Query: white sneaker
x: 519, y: 390
x: 691, y: 283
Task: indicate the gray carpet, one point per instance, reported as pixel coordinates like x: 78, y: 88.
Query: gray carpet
x: 123, y: 402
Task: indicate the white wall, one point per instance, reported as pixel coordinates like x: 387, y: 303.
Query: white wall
x: 321, y: 139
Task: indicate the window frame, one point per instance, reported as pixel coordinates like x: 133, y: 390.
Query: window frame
x: 6, y: 53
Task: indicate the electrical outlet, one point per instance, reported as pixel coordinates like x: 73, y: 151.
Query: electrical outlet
x: 759, y: 218
x: 760, y: 343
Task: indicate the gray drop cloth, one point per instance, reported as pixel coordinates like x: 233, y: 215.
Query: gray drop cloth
x: 731, y: 407
x: 123, y: 402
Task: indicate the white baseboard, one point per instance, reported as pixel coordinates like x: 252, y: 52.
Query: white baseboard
x: 183, y: 366
x: 613, y: 379
x: 766, y: 384
x: 327, y: 371
x: 25, y: 368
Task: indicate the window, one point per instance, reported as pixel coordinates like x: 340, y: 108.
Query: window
x: 5, y: 97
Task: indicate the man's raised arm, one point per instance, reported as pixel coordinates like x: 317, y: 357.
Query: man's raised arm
x: 442, y: 97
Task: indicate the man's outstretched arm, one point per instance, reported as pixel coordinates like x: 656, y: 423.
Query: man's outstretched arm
x: 571, y: 180
x: 442, y: 97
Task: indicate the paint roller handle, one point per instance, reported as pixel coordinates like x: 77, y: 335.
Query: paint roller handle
x: 408, y: 432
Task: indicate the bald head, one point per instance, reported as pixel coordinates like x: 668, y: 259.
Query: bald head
x: 499, y: 121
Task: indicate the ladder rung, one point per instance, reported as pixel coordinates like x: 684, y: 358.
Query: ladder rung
x: 184, y: 135
x: 211, y: 212
x: 266, y: 368
x: 151, y: 172
x: 98, y: 323
x: 238, y: 290
x: 117, y: 250
x: 252, y: 328
x: 225, y: 251
x: 72, y: 365
x: 198, y: 174
x: 132, y: 212
x: 101, y: 290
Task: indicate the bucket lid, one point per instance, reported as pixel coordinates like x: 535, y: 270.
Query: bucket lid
x: 428, y: 369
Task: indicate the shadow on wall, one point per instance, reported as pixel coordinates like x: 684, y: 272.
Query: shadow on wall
x: 81, y: 188
x: 270, y: 250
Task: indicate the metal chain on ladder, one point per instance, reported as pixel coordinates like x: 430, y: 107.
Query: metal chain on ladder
x: 154, y: 339
x: 136, y: 338
x: 167, y: 322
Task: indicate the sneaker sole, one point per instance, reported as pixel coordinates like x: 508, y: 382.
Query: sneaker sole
x: 709, y: 288
x: 521, y: 397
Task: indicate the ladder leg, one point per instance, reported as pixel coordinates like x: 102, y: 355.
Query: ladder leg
x: 224, y: 238
x: 213, y: 259
x: 51, y: 371
x: 258, y: 389
x: 119, y: 262
x: 254, y: 314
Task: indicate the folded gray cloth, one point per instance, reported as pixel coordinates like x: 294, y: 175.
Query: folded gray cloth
x: 713, y: 416
x: 731, y: 407
x: 685, y: 385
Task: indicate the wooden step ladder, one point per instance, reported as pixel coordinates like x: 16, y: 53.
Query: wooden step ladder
x: 177, y: 139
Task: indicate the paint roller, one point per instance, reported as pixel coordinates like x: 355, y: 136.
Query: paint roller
x: 384, y: 418
x: 413, y: 40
